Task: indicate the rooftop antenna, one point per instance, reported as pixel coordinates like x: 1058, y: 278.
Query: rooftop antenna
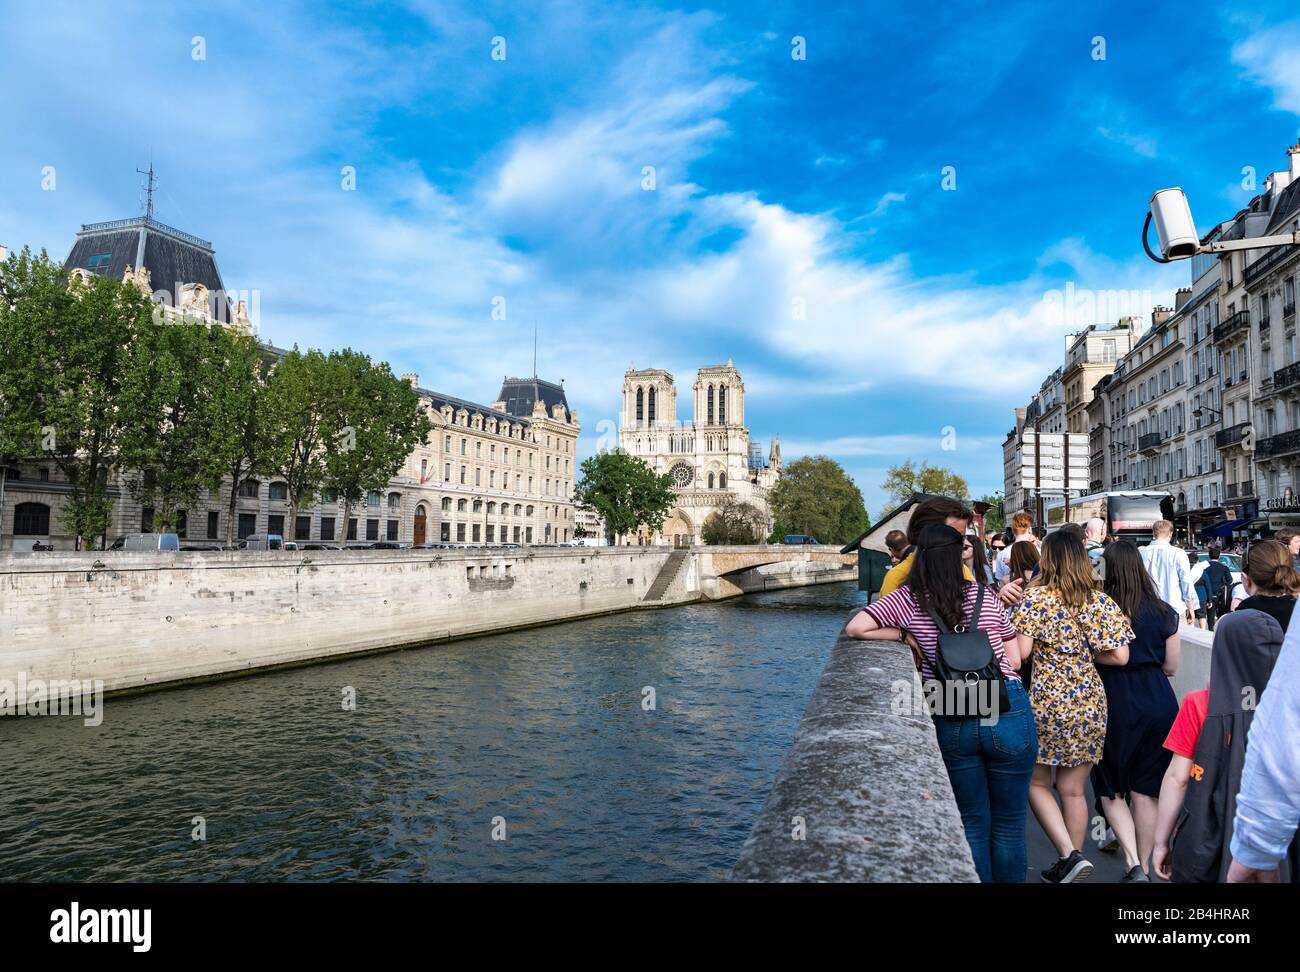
x: 534, y: 350
x: 149, y: 186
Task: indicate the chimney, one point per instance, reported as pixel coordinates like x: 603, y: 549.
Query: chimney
x: 1293, y: 154
x: 1181, y: 297
x: 1161, y: 314
x: 412, y: 379
x: 1020, y: 420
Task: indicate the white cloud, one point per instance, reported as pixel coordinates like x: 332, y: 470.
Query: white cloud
x: 1271, y: 57
x: 887, y: 200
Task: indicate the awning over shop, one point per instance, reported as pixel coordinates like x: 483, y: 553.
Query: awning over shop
x: 1223, y: 528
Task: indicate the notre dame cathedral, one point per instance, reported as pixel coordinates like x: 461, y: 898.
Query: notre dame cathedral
x: 709, y: 458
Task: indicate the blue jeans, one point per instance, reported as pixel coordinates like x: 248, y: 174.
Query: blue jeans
x: 989, y: 767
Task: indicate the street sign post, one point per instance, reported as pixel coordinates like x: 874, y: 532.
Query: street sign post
x: 1051, y: 461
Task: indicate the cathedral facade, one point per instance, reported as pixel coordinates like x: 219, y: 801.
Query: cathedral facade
x: 710, y: 458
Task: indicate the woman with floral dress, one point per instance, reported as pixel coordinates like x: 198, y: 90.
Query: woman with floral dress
x: 1069, y: 628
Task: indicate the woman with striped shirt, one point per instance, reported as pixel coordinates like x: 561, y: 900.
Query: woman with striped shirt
x: 989, y: 761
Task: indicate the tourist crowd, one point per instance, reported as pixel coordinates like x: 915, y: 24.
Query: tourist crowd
x: 1047, y: 659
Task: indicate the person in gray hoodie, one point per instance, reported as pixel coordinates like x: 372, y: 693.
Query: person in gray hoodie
x: 1268, y: 806
x: 1246, y: 648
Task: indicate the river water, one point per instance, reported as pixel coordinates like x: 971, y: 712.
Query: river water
x: 541, y: 737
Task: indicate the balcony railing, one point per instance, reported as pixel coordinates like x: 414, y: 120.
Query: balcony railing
x: 1150, y: 442
x: 1239, y: 321
x: 1267, y: 263
x: 1231, y: 436
x: 1286, y: 377
x: 1247, y: 489
x: 1278, y: 445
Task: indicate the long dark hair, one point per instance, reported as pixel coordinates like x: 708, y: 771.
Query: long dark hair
x: 936, y: 577
x: 1127, y: 582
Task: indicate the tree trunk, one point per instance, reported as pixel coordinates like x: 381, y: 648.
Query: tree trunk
x: 347, y: 515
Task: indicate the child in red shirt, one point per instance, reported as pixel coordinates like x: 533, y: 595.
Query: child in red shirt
x: 1181, y: 741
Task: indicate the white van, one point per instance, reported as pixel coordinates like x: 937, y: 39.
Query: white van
x: 261, y: 541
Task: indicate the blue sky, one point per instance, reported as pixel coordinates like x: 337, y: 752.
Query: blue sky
x: 775, y: 179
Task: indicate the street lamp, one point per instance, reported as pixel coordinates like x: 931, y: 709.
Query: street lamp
x: 1176, y: 232
x: 1196, y: 412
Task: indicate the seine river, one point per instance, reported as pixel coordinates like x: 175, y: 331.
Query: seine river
x: 541, y: 736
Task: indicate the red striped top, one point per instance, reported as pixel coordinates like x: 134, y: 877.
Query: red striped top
x: 899, y: 610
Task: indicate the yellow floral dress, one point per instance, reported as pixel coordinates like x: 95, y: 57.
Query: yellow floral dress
x: 1066, y: 692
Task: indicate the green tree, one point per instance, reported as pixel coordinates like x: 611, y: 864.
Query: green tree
x: 301, y: 413
x: 180, y: 418
x: 376, y: 423
x: 244, y: 435
x: 734, y: 523
x: 70, y: 357
x: 625, y: 491
x: 816, y: 496
x: 996, y: 517
x: 903, y: 480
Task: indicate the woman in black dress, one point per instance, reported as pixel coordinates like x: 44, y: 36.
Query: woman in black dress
x: 1141, y: 708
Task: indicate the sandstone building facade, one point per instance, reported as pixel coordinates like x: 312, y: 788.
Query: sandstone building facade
x: 710, y: 458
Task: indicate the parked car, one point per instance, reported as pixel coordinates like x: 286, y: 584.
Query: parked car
x: 261, y: 541
x: 146, y: 541
x: 800, y: 538
x: 319, y: 546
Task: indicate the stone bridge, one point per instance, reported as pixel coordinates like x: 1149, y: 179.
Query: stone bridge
x: 724, y: 571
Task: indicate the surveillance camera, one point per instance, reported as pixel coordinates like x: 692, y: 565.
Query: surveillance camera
x: 1174, y: 227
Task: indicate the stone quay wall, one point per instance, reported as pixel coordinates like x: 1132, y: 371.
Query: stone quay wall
x: 139, y: 620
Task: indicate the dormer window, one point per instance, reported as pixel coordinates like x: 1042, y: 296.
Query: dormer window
x: 99, y: 261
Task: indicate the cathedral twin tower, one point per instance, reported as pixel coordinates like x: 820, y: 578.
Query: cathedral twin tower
x: 709, y: 458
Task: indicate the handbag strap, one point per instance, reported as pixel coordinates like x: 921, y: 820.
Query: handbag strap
x: 975, y: 614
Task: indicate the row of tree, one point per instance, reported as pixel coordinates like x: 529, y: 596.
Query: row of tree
x: 96, y: 379
x: 813, y: 496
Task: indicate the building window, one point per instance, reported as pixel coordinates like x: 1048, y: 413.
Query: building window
x: 640, y: 403
x: 249, y: 488
x: 372, y: 498
x: 460, y: 533
x: 182, y: 523
x: 445, y: 535
x: 516, y: 534
x: 652, y: 404
x: 352, y: 528
x: 722, y: 480
x: 327, y: 528
x: 328, y: 496
x: 446, y: 504
x: 31, y: 520
x: 372, y: 529
x: 99, y: 261
x: 710, y: 408
x: 392, y: 529
x: 491, y: 533
x: 213, y: 525
x: 146, y: 520
x: 394, y: 502
x: 275, y: 524
x: 722, y: 405
x: 302, y: 528
x: 528, y: 535
x: 278, y: 491
x: 247, y: 525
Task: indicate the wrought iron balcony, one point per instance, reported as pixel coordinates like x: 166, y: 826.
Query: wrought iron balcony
x: 1278, y: 445
x: 1231, y: 436
x: 1238, y: 322
x: 1286, y: 377
x: 1268, y: 262
x: 1150, y: 442
x: 1247, y: 489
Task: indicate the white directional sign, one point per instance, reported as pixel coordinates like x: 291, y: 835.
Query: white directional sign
x: 1045, y: 455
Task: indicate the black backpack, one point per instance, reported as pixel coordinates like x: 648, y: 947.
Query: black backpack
x: 967, y: 669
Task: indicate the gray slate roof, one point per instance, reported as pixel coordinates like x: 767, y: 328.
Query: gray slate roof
x: 520, y: 393
x: 171, y: 256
